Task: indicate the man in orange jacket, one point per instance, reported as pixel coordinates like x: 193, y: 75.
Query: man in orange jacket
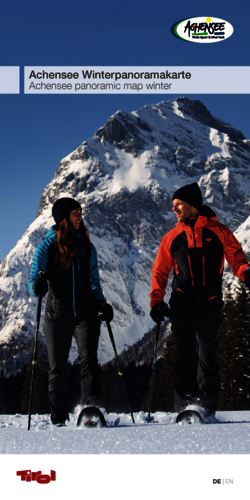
x: 195, y: 249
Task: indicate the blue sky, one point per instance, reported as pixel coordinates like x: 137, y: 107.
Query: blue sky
x: 38, y: 131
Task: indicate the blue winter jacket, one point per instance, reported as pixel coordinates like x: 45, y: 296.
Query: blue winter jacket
x: 72, y: 291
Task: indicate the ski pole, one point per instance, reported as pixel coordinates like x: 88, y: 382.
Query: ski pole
x: 38, y: 314
x: 119, y: 368
x: 148, y: 418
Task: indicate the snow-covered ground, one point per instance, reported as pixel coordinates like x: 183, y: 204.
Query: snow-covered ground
x: 230, y: 434
x: 154, y: 461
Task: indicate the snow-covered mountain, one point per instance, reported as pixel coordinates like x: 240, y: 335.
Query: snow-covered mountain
x: 124, y: 178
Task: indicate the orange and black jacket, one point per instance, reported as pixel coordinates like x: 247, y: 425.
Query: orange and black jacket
x: 196, y: 255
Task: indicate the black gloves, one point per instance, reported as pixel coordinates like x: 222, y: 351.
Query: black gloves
x: 159, y: 312
x: 106, y: 311
x: 247, y: 277
x: 40, y: 287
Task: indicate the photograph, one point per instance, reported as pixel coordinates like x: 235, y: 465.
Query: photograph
x: 124, y: 257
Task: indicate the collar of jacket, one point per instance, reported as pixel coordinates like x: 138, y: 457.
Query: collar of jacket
x: 201, y: 222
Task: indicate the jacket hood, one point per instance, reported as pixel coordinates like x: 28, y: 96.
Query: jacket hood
x: 207, y: 212
x: 50, y: 235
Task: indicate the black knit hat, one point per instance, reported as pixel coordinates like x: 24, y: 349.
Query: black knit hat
x: 63, y: 207
x: 190, y: 193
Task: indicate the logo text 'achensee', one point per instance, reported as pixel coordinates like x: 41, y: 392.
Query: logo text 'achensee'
x: 203, y: 29
x: 28, y: 476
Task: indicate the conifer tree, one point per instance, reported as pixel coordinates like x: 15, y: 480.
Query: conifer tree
x: 3, y: 400
x: 225, y: 352
x: 243, y: 347
x: 234, y: 357
x: 163, y: 391
x: 111, y: 395
x: 40, y: 402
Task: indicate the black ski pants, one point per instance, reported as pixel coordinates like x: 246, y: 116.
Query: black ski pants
x: 58, y: 335
x: 197, y: 338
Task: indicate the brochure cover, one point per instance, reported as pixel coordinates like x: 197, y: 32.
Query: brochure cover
x: 118, y: 107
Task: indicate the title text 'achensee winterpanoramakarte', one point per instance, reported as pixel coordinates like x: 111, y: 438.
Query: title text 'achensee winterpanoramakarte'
x: 163, y: 75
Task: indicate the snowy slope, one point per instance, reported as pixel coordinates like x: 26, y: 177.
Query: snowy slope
x: 124, y: 178
x: 242, y: 234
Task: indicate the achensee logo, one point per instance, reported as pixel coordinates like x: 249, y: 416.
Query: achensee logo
x: 203, y: 29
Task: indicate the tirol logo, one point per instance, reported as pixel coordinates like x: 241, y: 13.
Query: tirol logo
x: 28, y: 476
x: 203, y: 29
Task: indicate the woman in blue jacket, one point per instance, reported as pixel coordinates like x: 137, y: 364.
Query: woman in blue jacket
x: 74, y: 299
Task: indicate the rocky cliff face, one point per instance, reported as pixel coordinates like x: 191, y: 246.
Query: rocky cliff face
x: 124, y: 178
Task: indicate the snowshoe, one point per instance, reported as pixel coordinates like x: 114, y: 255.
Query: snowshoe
x: 148, y: 420
x: 189, y: 417
x: 91, y: 416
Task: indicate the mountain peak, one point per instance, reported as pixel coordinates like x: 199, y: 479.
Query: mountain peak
x: 125, y: 131
x: 197, y: 110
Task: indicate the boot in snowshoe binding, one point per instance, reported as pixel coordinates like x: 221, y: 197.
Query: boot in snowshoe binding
x: 90, y: 423
x: 91, y: 416
x: 189, y: 417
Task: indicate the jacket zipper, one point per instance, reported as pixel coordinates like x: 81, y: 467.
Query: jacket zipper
x: 189, y: 257
x: 191, y: 270
x: 73, y: 270
x: 203, y: 262
x: 193, y: 236
x: 199, y: 299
